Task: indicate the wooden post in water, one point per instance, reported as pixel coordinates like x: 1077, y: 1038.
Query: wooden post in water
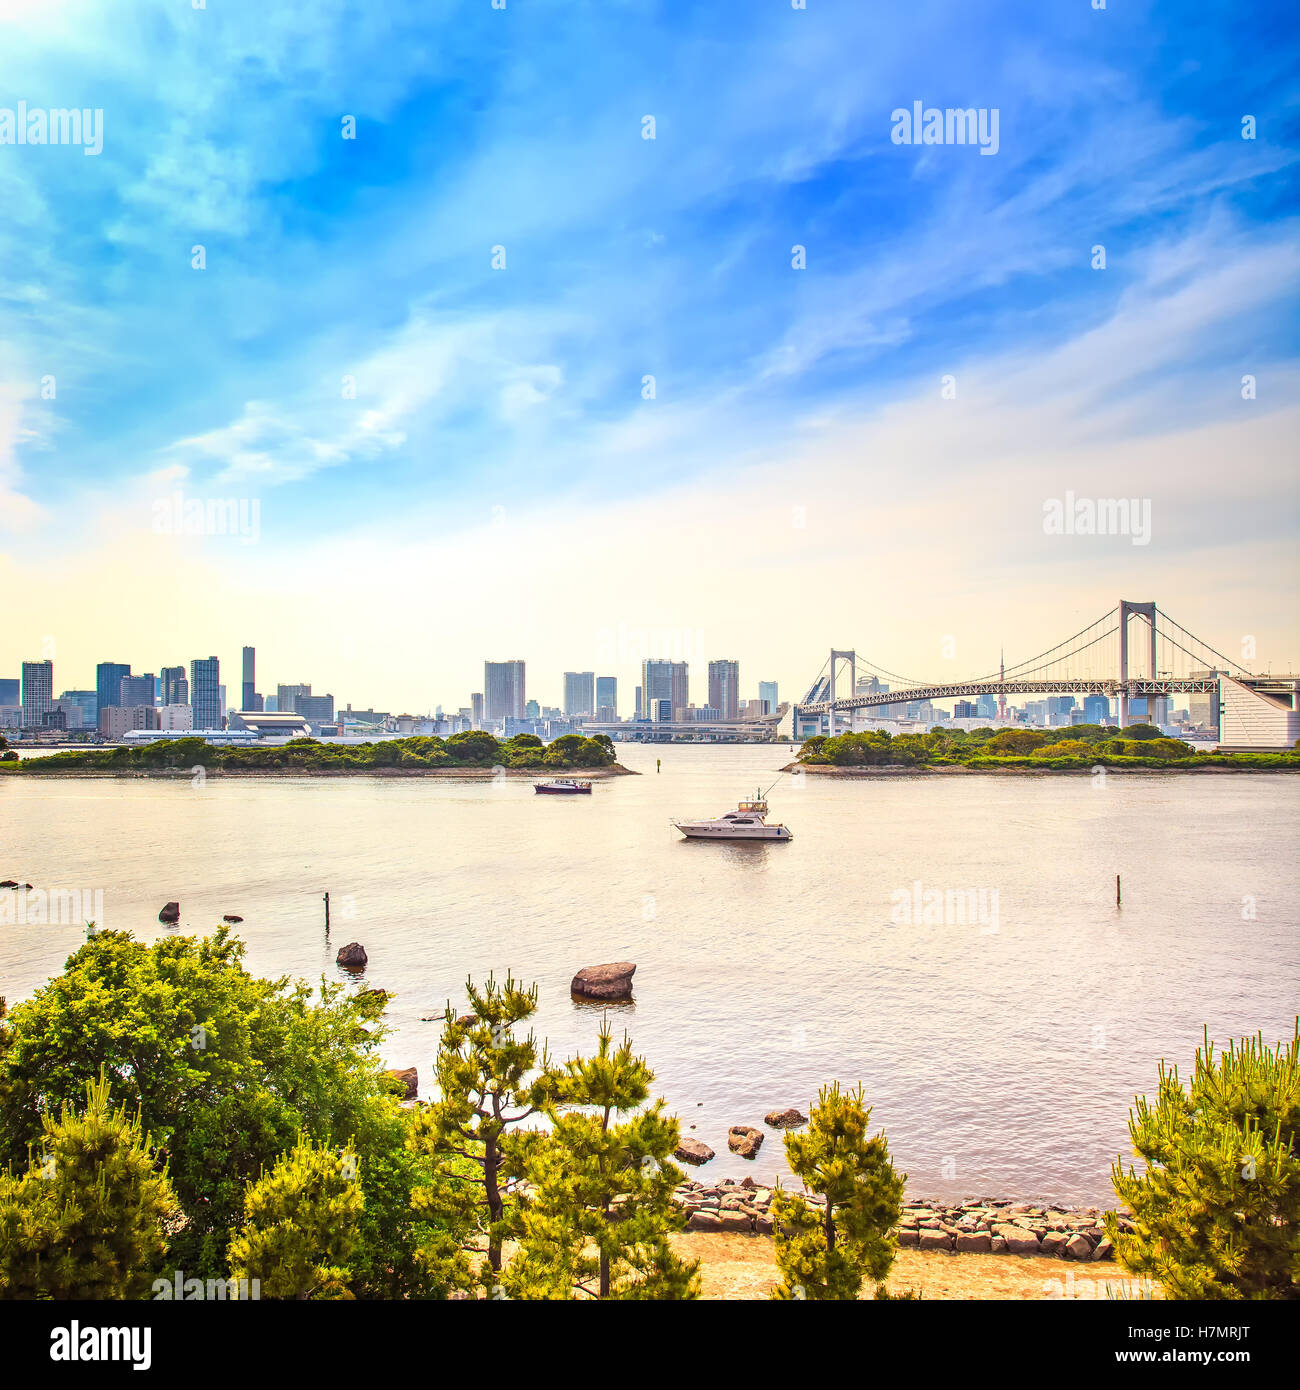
x: 327, y: 916
x: 1117, y: 894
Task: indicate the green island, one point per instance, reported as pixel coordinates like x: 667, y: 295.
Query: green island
x: 1079, y: 748
x: 474, y: 750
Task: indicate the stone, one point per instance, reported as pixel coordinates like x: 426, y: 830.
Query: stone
x: 909, y: 1238
x: 410, y: 1078
x: 935, y: 1240
x: 999, y: 1246
x: 170, y: 914
x: 704, y: 1221
x: 1078, y: 1248
x: 735, y: 1221
x: 1053, y: 1243
x: 785, y: 1119
x: 974, y: 1243
x: 352, y: 956
x: 763, y: 1224
x: 613, y: 981
x: 693, y: 1151
x: 9, y: 883
x: 745, y: 1140
x: 1017, y: 1240
x: 1105, y: 1249
x: 232, y: 917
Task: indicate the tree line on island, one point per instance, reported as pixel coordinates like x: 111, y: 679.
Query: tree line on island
x: 474, y: 748
x: 170, y: 1122
x: 1078, y: 747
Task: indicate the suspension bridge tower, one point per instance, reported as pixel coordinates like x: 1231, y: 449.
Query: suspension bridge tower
x: 1129, y: 610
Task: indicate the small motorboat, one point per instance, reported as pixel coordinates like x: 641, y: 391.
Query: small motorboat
x: 747, y: 822
x: 562, y: 786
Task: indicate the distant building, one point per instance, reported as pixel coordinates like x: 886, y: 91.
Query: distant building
x: 175, y: 686
x: 607, y: 699
x: 205, y: 692
x: 579, y: 693
x: 288, y: 696
x: 248, y: 695
x: 986, y: 707
x: 965, y: 709
x: 108, y: 683
x: 767, y: 693
x: 317, y: 709
x: 476, y: 709
x: 137, y: 690
x: 38, y: 692
x: 86, y: 705
x: 532, y: 710
x: 1096, y: 709
x: 10, y: 692
x: 724, y: 688
x: 116, y: 720
x: 664, y: 685
x: 175, y: 717
x: 503, y: 690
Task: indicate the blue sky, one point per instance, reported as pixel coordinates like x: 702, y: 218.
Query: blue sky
x: 512, y: 398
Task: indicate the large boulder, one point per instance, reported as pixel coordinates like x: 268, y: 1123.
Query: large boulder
x: 410, y: 1078
x: 1018, y: 1240
x: 613, y: 981
x: 352, y: 956
x: 232, y: 917
x: 745, y: 1140
x: 693, y: 1151
x: 785, y: 1119
x: 170, y: 914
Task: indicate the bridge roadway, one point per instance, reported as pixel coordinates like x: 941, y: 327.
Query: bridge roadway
x: 1134, y: 688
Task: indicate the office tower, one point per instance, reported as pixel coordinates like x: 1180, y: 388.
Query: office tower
x: 607, y: 698
x: 136, y: 690
x: 249, y: 692
x: 287, y: 697
x: 476, y: 709
x: 38, y: 692
x: 724, y: 688
x: 175, y: 687
x: 664, y: 685
x: 579, y: 692
x: 986, y: 707
x: 964, y: 709
x: 636, y: 703
x: 318, y: 709
x: 532, y: 710
x: 503, y: 690
x: 86, y: 705
x: 1096, y: 709
x: 767, y: 694
x: 10, y: 688
x: 108, y: 683
x: 116, y: 720
x: 205, y: 692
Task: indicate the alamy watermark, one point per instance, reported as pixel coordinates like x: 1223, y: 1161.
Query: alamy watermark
x: 55, y: 907
x: 24, y: 125
x: 179, y: 515
x: 919, y: 906
x: 931, y: 125
x: 1098, y: 516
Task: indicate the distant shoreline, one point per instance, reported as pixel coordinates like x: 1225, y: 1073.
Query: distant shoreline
x: 1223, y: 768
x: 473, y: 774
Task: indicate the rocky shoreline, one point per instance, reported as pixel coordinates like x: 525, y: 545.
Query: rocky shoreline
x: 990, y: 1226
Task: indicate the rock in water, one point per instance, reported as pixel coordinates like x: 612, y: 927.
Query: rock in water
x: 230, y: 917
x: 785, y: 1119
x: 410, y: 1078
x: 171, y: 913
x: 352, y: 956
x: 693, y: 1151
x: 745, y: 1140
x: 613, y: 981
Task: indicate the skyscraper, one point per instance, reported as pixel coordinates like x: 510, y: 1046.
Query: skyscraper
x: 287, y: 697
x: 579, y: 692
x: 607, y: 698
x: 175, y: 687
x: 10, y: 690
x: 38, y: 692
x: 503, y: 690
x: 664, y: 685
x: 724, y: 689
x: 205, y: 692
x: 137, y: 690
x: 108, y: 683
x: 767, y: 694
x: 247, y: 698
x: 476, y: 709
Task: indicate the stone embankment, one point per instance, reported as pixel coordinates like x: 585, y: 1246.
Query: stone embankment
x: 990, y: 1226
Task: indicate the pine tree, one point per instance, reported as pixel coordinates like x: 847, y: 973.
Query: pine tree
x: 87, y: 1218
x: 825, y: 1251
x: 599, y: 1209
x: 301, y: 1224
x: 488, y: 1082
x: 1216, y: 1214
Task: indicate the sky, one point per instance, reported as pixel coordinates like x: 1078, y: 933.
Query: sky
x: 583, y: 330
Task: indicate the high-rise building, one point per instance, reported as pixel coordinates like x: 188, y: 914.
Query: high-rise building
x: 249, y: 692
x: 767, y: 694
x: 1096, y: 709
x: 986, y: 707
x: 503, y: 690
x: 10, y: 691
x: 476, y: 710
x: 175, y: 687
x: 532, y: 710
x: 38, y: 693
x: 579, y: 693
x: 86, y: 705
x: 607, y: 699
x: 724, y: 689
x: 108, y: 683
x: 319, y: 709
x: 205, y: 692
x: 137, y: 690
x: 287, y: 698
x: 664, y: 686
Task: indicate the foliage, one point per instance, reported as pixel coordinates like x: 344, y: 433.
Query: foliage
x: 1217, y: 1211
x: 301, y: 1225
x: 86, y: 1220
x: 488, y: 1081
x: 826, y: 1251
x: 599, y: 1212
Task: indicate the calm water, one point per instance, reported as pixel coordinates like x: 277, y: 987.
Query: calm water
x: 999, y: 1061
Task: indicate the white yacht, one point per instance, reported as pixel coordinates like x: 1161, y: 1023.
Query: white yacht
x: 747, y: 822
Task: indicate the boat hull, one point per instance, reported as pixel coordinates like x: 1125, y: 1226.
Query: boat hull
x: 562, y: 791
x: 767, y: 833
